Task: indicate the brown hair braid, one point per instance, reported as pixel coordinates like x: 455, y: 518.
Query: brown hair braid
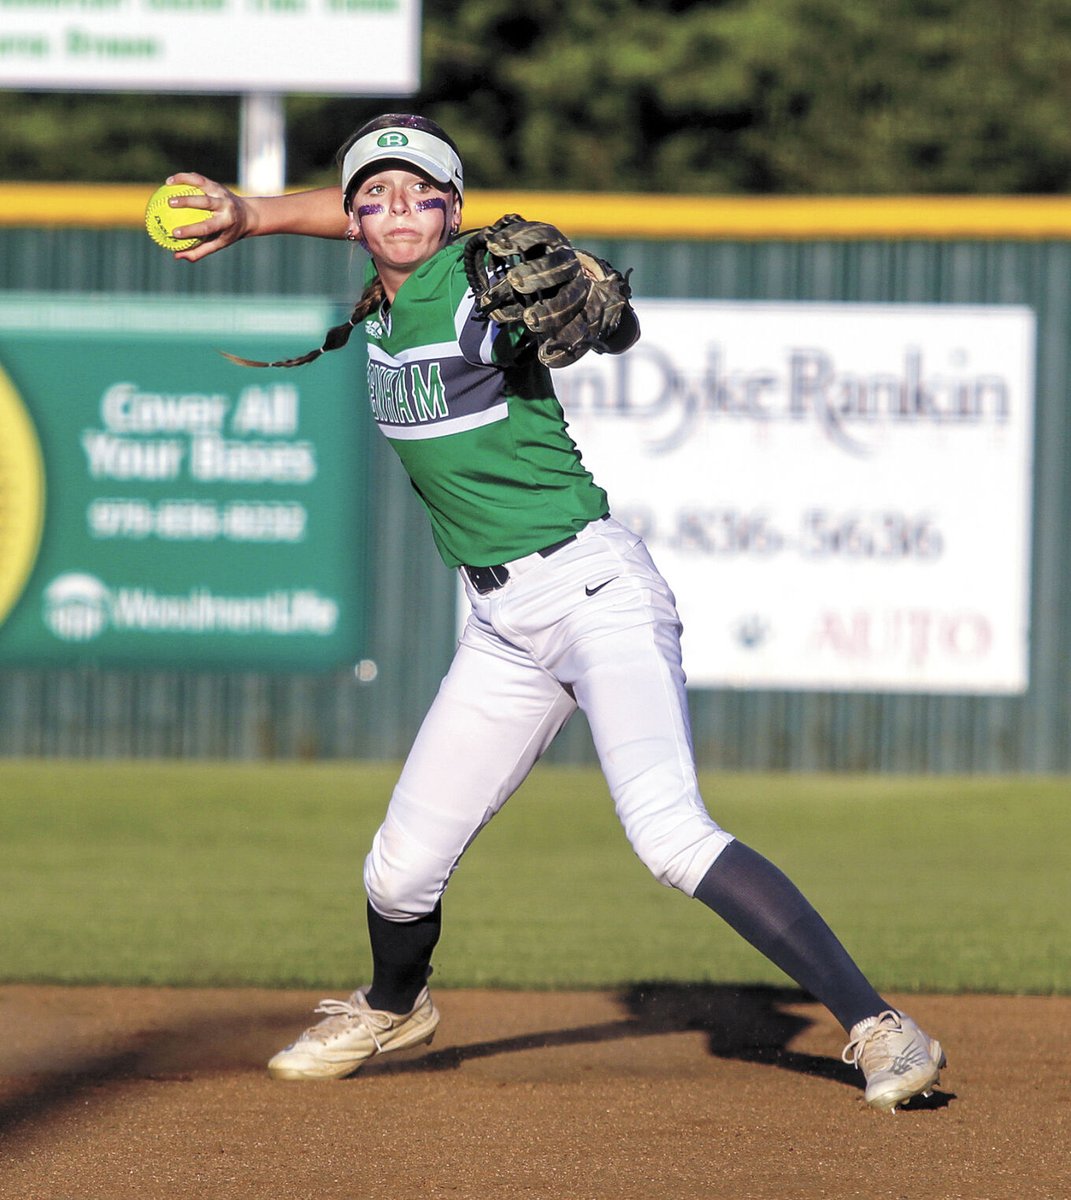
x: 334, y: 339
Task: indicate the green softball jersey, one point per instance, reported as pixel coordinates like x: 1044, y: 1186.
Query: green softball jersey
x: 472, y: 415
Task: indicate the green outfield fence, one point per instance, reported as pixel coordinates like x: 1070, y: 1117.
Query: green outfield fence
x: 899, y: 249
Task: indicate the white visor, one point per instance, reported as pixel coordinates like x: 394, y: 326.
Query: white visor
x: 425, y: 151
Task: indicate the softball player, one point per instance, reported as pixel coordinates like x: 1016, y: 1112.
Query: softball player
x: 567, y: 611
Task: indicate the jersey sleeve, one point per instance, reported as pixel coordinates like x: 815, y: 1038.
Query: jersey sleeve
x: 484, y: 342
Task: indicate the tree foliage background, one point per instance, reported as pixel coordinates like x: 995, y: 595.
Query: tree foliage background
x: 716, y: 96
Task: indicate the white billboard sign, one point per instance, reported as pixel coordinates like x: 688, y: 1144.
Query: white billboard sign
x: 337, y: 47
x: 839, y: 494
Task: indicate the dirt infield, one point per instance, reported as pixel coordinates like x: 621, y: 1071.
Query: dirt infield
x: 660, y: 1092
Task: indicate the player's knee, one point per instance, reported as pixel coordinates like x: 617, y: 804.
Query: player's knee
x: 683, y: 866
x: 399, y: 899
x: 400, y: 894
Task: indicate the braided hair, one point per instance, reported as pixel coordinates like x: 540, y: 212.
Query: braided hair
x: 373, y: 295
x: 334, y: 339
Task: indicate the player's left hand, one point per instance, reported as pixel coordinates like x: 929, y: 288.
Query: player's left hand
x: 569, y: 300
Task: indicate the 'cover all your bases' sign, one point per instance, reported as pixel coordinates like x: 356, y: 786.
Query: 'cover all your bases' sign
x: 839, y: 494
x: 344, y: 47
x: 160, y: 505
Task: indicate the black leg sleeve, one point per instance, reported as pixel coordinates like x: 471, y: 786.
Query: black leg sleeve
x: 767, y: 909
x: 401, y: 958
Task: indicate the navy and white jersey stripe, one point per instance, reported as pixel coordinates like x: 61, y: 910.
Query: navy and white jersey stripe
x: 440, y: 388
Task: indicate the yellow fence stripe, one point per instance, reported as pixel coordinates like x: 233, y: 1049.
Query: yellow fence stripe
x: 780, y: 217
x: 655, y: 216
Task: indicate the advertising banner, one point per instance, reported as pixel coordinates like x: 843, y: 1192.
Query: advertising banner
x: 334, y: 47
x: 839, y: 494
x: 162, y: 506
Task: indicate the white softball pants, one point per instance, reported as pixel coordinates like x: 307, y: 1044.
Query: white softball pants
x: 530, y: 654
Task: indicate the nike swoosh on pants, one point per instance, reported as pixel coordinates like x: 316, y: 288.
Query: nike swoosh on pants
x: 590, y: 591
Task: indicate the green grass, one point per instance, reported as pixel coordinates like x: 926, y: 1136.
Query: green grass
x: 210, y: 873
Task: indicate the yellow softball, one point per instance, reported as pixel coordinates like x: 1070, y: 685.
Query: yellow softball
x: 22, y: 495
x: 161, y: 218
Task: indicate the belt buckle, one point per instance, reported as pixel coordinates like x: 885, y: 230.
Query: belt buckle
x: 487, y: 579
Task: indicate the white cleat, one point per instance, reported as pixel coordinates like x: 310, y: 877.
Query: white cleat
x: 898, y: 1060
x: 351, y: 1033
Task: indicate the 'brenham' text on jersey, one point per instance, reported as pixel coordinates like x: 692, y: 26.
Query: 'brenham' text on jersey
x: 390, y: 387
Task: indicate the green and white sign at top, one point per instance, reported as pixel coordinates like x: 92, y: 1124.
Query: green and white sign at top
x: 332, y: 47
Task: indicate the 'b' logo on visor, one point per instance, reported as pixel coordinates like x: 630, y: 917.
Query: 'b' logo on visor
x: 389, y: 140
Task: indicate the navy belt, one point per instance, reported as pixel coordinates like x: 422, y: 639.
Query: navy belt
x: 490, y: 579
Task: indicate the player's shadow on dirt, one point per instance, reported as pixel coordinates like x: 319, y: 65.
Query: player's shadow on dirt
x: 749, y: 1024
x: 746, y: 1023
